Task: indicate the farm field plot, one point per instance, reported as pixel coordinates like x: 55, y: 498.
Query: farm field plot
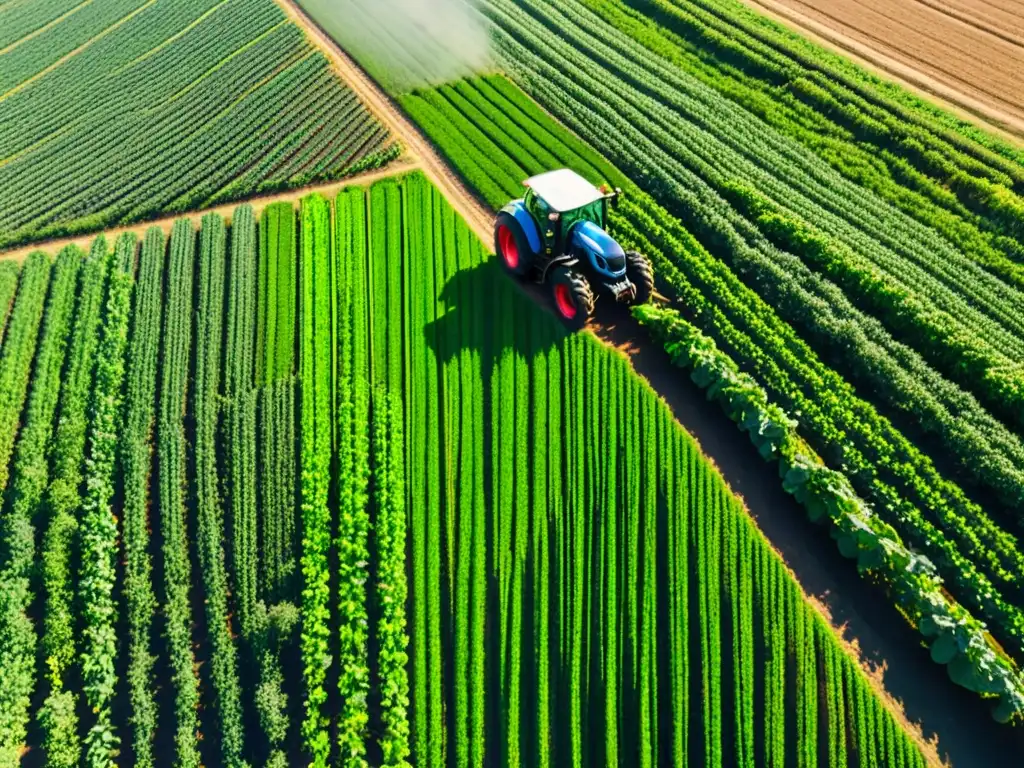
x: 116, y: 111
x: 974, y: 47
x: 477, y: 542
x: 495, y: 136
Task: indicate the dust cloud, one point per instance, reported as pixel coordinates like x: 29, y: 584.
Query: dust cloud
x: 405, y: 44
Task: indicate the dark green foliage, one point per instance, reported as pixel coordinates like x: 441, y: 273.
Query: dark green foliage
x: 136, y: 463
x: 98, y: 534
x: 206, y: 406
x: 172, y: 467
x: 57, y: 715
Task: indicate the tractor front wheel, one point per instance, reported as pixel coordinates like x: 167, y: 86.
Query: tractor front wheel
x: 640, y: 274
x: 511, y: 245
x: 573, y: 299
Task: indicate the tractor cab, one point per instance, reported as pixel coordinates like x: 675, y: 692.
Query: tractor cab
x: 559, y: 200
x: 556, y: 233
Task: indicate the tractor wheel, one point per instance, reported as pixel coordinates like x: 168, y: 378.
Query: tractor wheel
x: 511, y: 245
x: 573, y: 299
x: 640, y: 274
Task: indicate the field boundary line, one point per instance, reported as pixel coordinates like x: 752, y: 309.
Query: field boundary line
x: 949, y: 98
x: 972, y: 23
x: 476, y: 215
x: 404, y: 164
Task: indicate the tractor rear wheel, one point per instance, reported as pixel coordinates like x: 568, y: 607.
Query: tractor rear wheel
x: 573, y: 299
x: 640, y: 274
x: 511, y: 245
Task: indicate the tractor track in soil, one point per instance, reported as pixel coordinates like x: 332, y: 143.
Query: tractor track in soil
x: 948, y: 722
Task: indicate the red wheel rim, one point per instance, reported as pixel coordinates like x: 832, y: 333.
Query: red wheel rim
x: 564, y: 301
x: 507, y: 244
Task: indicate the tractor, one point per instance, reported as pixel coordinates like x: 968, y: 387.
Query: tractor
x: 556, y: 234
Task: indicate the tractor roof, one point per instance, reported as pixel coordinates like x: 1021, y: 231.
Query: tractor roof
x: 564, y: 190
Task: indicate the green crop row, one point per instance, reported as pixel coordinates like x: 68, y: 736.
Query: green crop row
x: 973, y: 554
x: 172, y: 460
x: 8, y: 286
x: 353, y: 479
x: 388, y: 451
x: 136, y: 456
x: 98, y: 535
x: 316, y: 433
x: 510, y: 552
x: 956, y: 638
x: 684, y: 144
x: 981, y: 367
x: 28, y: 484
x: 18, y: 350
x: 239, y: 438
x: 58, y: 714
x: 207, y: 408
x: 935, y: 175
x: 275, y: 352
x: 601, y: 529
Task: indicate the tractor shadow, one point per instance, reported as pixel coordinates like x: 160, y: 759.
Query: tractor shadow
x: 484, y: 312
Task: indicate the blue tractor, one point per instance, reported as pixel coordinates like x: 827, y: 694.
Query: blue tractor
x: 555, y: 234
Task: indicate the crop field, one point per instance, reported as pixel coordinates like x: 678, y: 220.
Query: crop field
x: 118, y: 110
x: 511, y: 548
x: 489, y: 115
x: 292, y: 473
x: 860, y: 263
x: 937, y: 42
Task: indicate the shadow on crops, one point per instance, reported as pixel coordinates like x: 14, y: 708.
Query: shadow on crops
x: 487, y: 337
x: 482, y: 310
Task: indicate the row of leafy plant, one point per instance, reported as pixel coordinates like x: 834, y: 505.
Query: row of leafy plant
x: 537, y: 461
x: 932, y: 165
x: 28, y: 480
x: 686, y: 164
x: 467, y: 441
x: 136, y: 461
x: 956, y: 638
x: 58, y: 714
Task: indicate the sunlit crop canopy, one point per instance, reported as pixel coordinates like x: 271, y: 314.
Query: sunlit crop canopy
x: 564, y: 190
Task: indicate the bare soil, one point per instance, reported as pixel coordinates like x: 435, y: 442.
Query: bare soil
x: 966, y: 54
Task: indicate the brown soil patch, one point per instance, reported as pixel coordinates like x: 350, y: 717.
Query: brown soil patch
x: 966, y: 54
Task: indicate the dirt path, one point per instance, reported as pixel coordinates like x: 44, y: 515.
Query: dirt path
x: 950, y: 723
x: 477, y: 216
x: 966, y: 55
x: 403, y: 164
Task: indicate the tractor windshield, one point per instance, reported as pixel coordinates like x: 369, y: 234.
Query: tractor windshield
x: 593, y: 212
